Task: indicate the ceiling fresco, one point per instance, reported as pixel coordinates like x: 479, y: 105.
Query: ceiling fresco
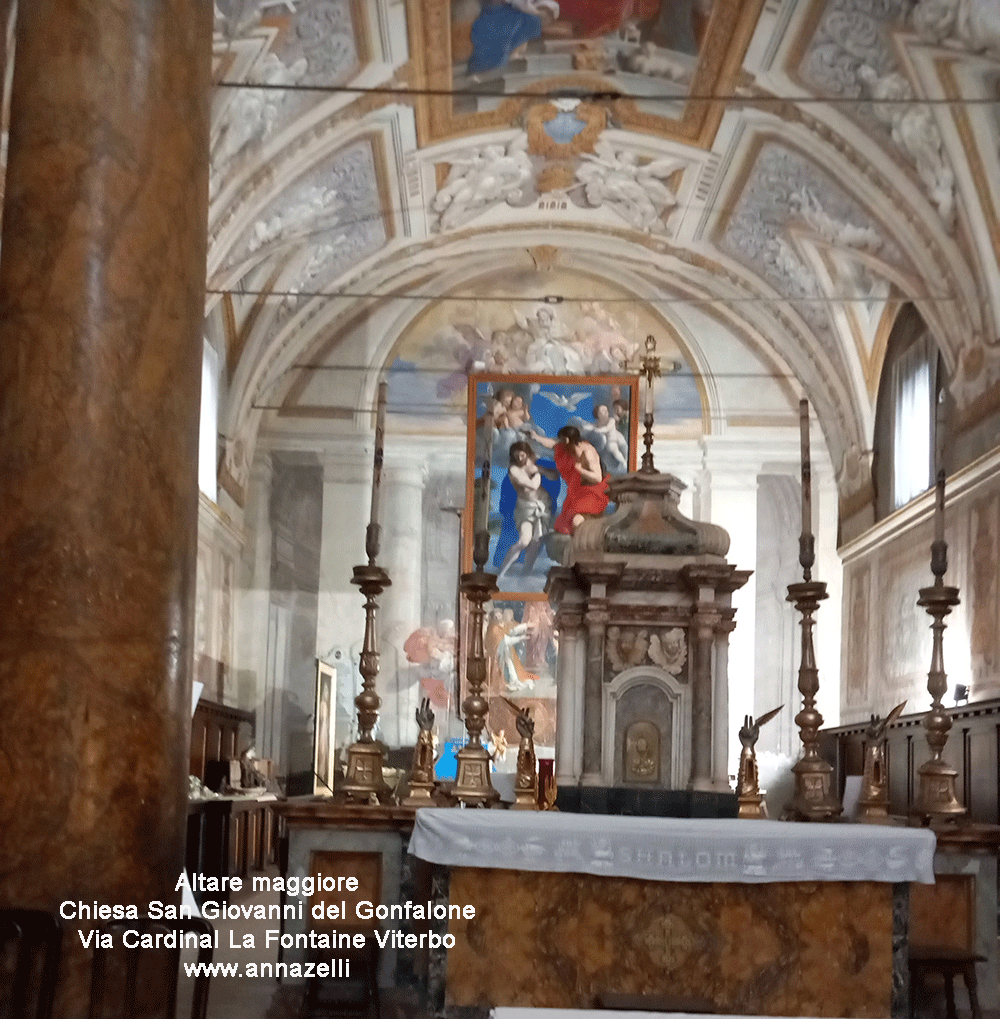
x: 763, y: 183
x: 651, y: 55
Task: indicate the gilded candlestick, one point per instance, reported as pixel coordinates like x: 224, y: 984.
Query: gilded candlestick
x: 937, y: 798
x: 364, y: 782
x: 814, y: 799
x: 473, y: 785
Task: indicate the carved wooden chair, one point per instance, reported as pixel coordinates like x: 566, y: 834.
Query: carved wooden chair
x: 30, y: 947
x: 132, y: 957
x: 949, y: 963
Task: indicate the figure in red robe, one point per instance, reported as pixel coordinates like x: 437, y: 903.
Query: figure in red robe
x: 593, y: 18
x: 579, y: 465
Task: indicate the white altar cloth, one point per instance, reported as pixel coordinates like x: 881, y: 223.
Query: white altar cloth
x: 673, y: 849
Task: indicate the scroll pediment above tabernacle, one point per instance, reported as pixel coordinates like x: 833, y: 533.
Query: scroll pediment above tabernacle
x: 648, y: 521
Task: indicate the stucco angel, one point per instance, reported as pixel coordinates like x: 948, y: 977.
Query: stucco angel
x: 482, y: 177
x: 973, y: 24
x: 915, y: 131
x: 668, y: 650
x: 805, y: 202
x: 636, y: 191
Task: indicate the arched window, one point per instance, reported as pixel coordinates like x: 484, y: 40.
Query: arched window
x: 906, y: 419
x: 208, y: 435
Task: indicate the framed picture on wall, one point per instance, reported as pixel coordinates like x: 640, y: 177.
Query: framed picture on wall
x: 324, y: 747
x: 552, y: 444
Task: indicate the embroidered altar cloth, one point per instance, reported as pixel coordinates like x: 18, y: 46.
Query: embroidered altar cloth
x: 673, y: 849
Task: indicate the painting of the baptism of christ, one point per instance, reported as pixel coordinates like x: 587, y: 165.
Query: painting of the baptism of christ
x: 552, y: 444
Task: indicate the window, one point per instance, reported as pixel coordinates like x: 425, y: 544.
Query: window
x: 208, y: 441
x: 906, y: 419
x: 914, y: 388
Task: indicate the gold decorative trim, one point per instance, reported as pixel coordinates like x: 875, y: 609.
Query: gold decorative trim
x: 857, y: 501
x: 963, y: 125
x: 545, y: 257
x: 231, y: 486
x: 231, y: 334
x: 252, y: 316
x: 541, y: 144
x: 729, y: 32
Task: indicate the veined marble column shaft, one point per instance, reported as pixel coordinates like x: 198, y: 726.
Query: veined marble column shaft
x: 102, y: 282
x: 720, y: 705
x: 569, y: 694
x: 597, y: 617
x: 703, y: 624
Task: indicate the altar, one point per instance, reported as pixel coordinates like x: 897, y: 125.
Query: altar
x: 758, y: 917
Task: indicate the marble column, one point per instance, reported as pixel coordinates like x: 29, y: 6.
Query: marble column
x: 703, y: 622
x: 340, y: 617
x: 720, y: 703
x: 734, y: 506
x: 403, y: 557
x: 253, y: 616
x: 102, y: 297
x: 569, y: 702
x: 597, y: 617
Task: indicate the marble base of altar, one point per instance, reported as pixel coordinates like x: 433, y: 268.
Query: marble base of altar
x: 755, y: 916
x: 559, y: 940
x: 638, y: 802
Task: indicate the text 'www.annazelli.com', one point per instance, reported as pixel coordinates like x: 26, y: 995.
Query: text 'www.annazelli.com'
x: 270, y: 970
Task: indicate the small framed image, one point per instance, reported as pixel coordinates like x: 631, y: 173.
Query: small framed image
x: 550, y: 444
x: 324, y: 748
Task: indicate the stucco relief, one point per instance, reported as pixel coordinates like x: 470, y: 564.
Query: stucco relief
x: 336, y: 206
x: 588, y: 172
x: 636, y: 191
x: 916, y: 134
x: 317, y: 37
x: 849, y: 35
x: 851, y: 56
x: 630, y: 646
x: 972, y: 25
x: 785, y: 190
x: 483, y: 177
x: 298, y: 42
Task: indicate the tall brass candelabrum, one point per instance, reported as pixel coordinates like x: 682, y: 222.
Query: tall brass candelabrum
x: 937, y: 800
x: 472, y: 783
x: 814, y: 799
x: 364, y: 782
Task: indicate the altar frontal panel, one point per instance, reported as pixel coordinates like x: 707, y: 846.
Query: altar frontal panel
x: 549, y: 940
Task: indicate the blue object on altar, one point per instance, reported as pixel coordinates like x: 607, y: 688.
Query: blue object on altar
x: 446, y: 767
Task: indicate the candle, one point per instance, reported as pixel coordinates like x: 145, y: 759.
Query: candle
x: 650, y: 347
x: 486, y: 481
x: 383, y: 391
x: 939, y: 508
x: 806, y: 469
